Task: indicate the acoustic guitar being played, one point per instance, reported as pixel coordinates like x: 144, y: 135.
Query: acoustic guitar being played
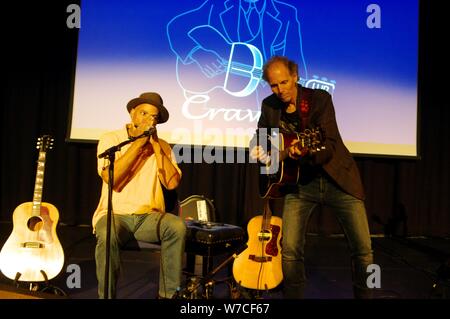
x: 33, y: 252
x: 288, y: 171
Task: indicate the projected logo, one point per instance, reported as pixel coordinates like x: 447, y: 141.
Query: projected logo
x: 320, y: 83
x: 217, y: 63
x: 222, y: 45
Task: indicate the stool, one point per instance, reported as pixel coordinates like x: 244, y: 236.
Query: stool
x: 208, y: 240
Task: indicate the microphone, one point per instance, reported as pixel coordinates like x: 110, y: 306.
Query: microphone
x: 150, y: 131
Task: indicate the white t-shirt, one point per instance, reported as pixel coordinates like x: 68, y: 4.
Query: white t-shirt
x: 142, y: 194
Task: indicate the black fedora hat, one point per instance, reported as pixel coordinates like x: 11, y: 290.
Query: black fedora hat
x: 154, y: 99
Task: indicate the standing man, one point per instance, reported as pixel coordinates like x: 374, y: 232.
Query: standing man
x: 141, y: 170
x: 329, y: 177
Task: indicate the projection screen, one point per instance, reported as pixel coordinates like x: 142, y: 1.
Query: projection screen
x: 205, y: 58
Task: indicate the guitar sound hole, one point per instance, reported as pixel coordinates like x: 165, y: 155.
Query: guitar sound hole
x: 35, y: 223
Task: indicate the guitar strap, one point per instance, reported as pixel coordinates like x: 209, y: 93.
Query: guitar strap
x: 304, y: 103
x: 268, y: 207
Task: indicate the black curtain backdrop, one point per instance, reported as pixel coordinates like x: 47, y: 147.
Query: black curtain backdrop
x: 404, y: 196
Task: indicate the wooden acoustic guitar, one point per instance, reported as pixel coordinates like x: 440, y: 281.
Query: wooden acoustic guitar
x: 288, y: 173
x: 33, y: 252
x: 259, y: 265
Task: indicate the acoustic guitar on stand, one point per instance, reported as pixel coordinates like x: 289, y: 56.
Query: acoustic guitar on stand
x: 33, y: 252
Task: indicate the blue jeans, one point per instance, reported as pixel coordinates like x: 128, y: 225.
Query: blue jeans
x: 143, y: 228
x: 350, y: 213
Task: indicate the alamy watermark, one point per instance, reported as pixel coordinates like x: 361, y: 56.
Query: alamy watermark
x: 374, y: 279
x: 74, y: 18
x: 373, y: 20
x: 74, y: 278
x: 185, y: 152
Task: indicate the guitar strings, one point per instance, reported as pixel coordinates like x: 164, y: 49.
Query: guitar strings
x: 263, y: 241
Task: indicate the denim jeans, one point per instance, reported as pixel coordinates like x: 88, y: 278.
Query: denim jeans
x: 350, y: 213
x: 143, y: 228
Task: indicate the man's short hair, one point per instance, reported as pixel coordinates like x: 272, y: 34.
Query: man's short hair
x: 291, y: 65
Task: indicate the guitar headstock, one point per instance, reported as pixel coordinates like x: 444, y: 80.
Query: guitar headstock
x: 44, y: 143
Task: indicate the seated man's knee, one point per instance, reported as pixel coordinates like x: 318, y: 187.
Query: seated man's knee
x: 118, y: 233
x: 179, y: 227
x: 176, y: 226
x: 100, y: 231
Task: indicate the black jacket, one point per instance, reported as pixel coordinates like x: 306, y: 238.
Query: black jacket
x: 336, y: 160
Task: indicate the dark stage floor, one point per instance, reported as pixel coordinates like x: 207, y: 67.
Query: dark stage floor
x: 409, y: 268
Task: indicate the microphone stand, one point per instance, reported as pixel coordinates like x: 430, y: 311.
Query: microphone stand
x: 110, y: 154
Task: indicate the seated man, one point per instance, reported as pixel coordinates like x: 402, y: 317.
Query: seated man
x: 141, y: 169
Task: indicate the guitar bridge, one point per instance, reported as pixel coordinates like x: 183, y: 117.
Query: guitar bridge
x: 260, y: 259
x: 32, y: 244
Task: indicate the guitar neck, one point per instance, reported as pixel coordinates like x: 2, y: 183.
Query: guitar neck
x: 39, y: 184
x: 244, y: 69
x: 266, y: 216
x: 309, y: 139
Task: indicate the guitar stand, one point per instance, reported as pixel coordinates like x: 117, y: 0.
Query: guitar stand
x: 246, y: 293
x: 190, y: 291
x: 16, y: 279
x: 36, y: 287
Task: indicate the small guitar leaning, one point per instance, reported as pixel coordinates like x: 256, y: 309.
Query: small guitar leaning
x: 33, y: 252
x: 259, y: 266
